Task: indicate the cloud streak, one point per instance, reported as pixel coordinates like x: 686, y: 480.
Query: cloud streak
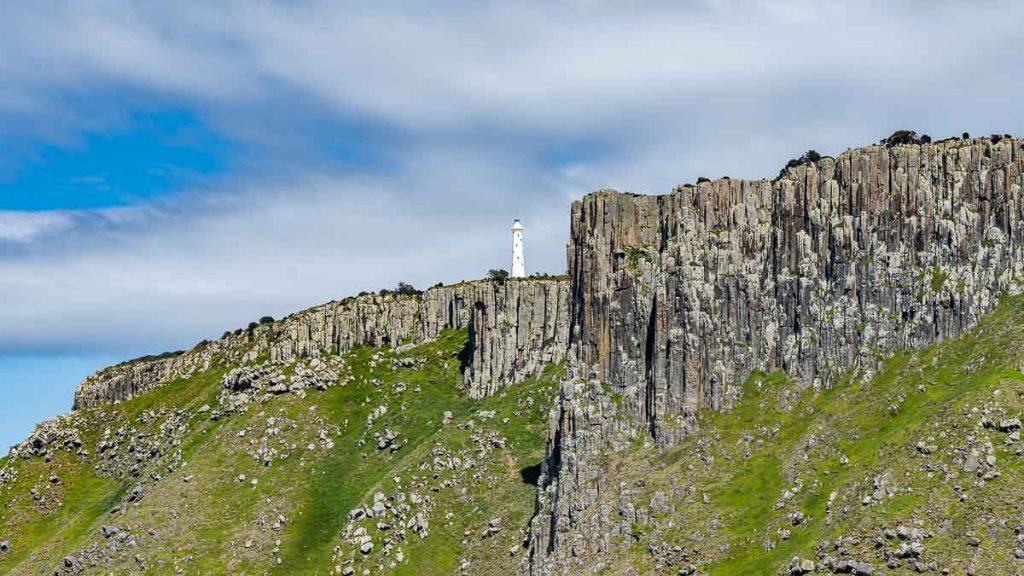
x: 23, y: 227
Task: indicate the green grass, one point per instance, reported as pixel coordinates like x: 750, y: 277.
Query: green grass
x: 343, y: 478
x: 41, y: 538
x: 45, y: 535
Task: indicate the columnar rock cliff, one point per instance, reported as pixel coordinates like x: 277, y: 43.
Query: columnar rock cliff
x: 832, y: 266
x: 514, y: 331
x: 516, y: 327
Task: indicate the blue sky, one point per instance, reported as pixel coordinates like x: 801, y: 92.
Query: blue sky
x: 171, y: 172
x: 148, y: 155
x: 40, y: 385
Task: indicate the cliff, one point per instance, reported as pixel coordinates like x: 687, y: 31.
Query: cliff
x: 731, y: 400
x: 516, y: 328
x: 834, y: 265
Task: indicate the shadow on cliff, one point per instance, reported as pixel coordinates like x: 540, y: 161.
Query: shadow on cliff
x: 466, y: 356
x: 530, y: 474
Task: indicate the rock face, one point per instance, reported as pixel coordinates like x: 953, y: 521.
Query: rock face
x: 832, y: 266
x: 515, y: 330
x: 132, y: 378
x: 516, y: 327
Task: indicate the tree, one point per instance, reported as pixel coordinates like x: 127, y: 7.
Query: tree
x: 498, y: 275
x: 900, y: 137
x: 405, y: 289
x: 267, y: 320
x: 809, y: 157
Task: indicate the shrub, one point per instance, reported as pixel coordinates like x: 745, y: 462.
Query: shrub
x: 906, y: 137
x: 267, y: 320
x: 808, y: 157
x: 253, y: 325
x: 702, y: 180
x: 498, y: 275
x: 900, y: 137
x: 966, y: 135
x: 405, y: 289
x: 225, y: 335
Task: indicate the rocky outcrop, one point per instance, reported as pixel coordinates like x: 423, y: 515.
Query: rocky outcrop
x: 369, y: 320
x: 515, y: 327
x: 135, y: 377
x: 833, y: 266
x: 515, y: 330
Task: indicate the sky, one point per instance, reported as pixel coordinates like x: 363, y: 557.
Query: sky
x: 169, y: 171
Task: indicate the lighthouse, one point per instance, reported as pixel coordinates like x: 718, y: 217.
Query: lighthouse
x: 518, y: 266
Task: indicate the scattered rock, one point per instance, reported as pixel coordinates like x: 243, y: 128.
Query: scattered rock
x: 1009, y: 425
x: 800, y: 566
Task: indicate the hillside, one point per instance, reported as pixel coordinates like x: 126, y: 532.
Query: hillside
x: 918, y: 469
x: 921, y: 464
x: 818, y: 373
x: 288, y: 482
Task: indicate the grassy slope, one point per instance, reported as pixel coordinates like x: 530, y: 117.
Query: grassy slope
x: 842, y: 443
x: 848, y: 441
x: 200, y: 518
x: 69, y: 514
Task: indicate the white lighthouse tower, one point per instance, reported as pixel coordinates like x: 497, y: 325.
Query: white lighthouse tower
x: 518, y: 265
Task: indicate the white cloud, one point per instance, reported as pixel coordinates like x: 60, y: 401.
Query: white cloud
x: 571, y: 69
x: 22, y: 227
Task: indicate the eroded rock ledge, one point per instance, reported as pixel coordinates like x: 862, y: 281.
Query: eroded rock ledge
x: 515, y: 327
x: 833, y: 266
